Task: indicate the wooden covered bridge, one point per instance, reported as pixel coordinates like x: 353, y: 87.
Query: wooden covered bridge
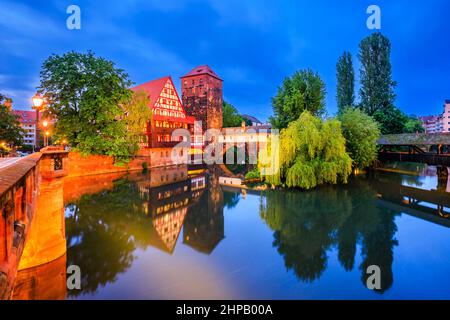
x: 432, y: 149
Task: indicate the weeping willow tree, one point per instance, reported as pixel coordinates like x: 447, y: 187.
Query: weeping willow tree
x: 311, y: 153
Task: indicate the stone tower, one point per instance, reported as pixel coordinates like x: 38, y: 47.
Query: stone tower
x: 202, y: 96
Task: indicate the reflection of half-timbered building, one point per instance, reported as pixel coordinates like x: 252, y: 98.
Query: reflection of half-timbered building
x: 166, y: 196
x: 168, y: 115
x: 168, y: 227
x: 176, y: 201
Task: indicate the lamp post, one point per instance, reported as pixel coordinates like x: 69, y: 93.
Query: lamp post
x: 46, y: 138
x: 45, y: 124
x: 38, y: 105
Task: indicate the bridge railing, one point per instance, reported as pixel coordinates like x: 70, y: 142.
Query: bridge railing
x: 19, y: 188
x: 18, y: 191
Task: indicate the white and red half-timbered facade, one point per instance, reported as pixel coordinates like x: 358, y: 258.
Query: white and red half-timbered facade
x: 168, y: 113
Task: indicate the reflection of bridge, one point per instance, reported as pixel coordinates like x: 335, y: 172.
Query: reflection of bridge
x: 428, y: 205
x: 432, y: 149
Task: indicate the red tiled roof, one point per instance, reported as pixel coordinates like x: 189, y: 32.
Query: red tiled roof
x: 153, y: 88
x: 205, y: 69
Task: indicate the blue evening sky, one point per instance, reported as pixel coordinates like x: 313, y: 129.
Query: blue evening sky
x: 251, y: 44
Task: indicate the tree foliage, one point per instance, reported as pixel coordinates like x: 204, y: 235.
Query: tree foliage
x: 87, y: 94
x: 231, y: 117
x: 391, y: 120
x: 361, y: 133
x: 413, y: 125
x: 305, y: 90
x: 312, y: 153
x: 377, y: 86
x: 137, y: 115
x: 11, y: 133
x: 345, y: 82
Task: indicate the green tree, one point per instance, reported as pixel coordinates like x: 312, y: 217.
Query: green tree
x: 413, y: 125
x: 137, y: 115
x: 11, y: 133
x: 377, y: 87
x: 345, y: 82
x: 86, y: 94
x: 231, y: 117
x: 391, y: 120
x: 305, y: 90
x: 361, y: 133
x: 312, y: 153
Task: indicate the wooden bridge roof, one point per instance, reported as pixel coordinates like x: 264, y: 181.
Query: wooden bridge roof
x: 418, y: 139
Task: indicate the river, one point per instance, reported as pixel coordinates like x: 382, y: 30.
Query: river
x: 174, y: 236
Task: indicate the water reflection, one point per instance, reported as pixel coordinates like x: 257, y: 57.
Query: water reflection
x: 306, y: 227
x: 108, y: 227
x: 45, y: 282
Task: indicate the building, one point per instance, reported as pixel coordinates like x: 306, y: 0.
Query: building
x: 432, y: 124
x: 168, y: 115
x: 438, y: 123
x: 202, y: 96
x: 446, y: 116
x: 28, y: 122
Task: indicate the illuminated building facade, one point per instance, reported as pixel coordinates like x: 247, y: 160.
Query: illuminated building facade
x: 27, y: 121
x: 168, y: 115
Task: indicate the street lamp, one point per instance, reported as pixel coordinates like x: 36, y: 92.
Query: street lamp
x: 38, y: 105
x: 46, y: 138
x: 45, y: 124
x: 38, y: 101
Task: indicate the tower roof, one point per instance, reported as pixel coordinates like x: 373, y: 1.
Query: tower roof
x: 204, y: 69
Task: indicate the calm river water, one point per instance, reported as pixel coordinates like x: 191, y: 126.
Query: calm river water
x: 167, y: 235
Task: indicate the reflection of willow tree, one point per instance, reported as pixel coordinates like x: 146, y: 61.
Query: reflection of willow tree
x: 105, y: 229
x: 304, y: 225
x: 308, y: 224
